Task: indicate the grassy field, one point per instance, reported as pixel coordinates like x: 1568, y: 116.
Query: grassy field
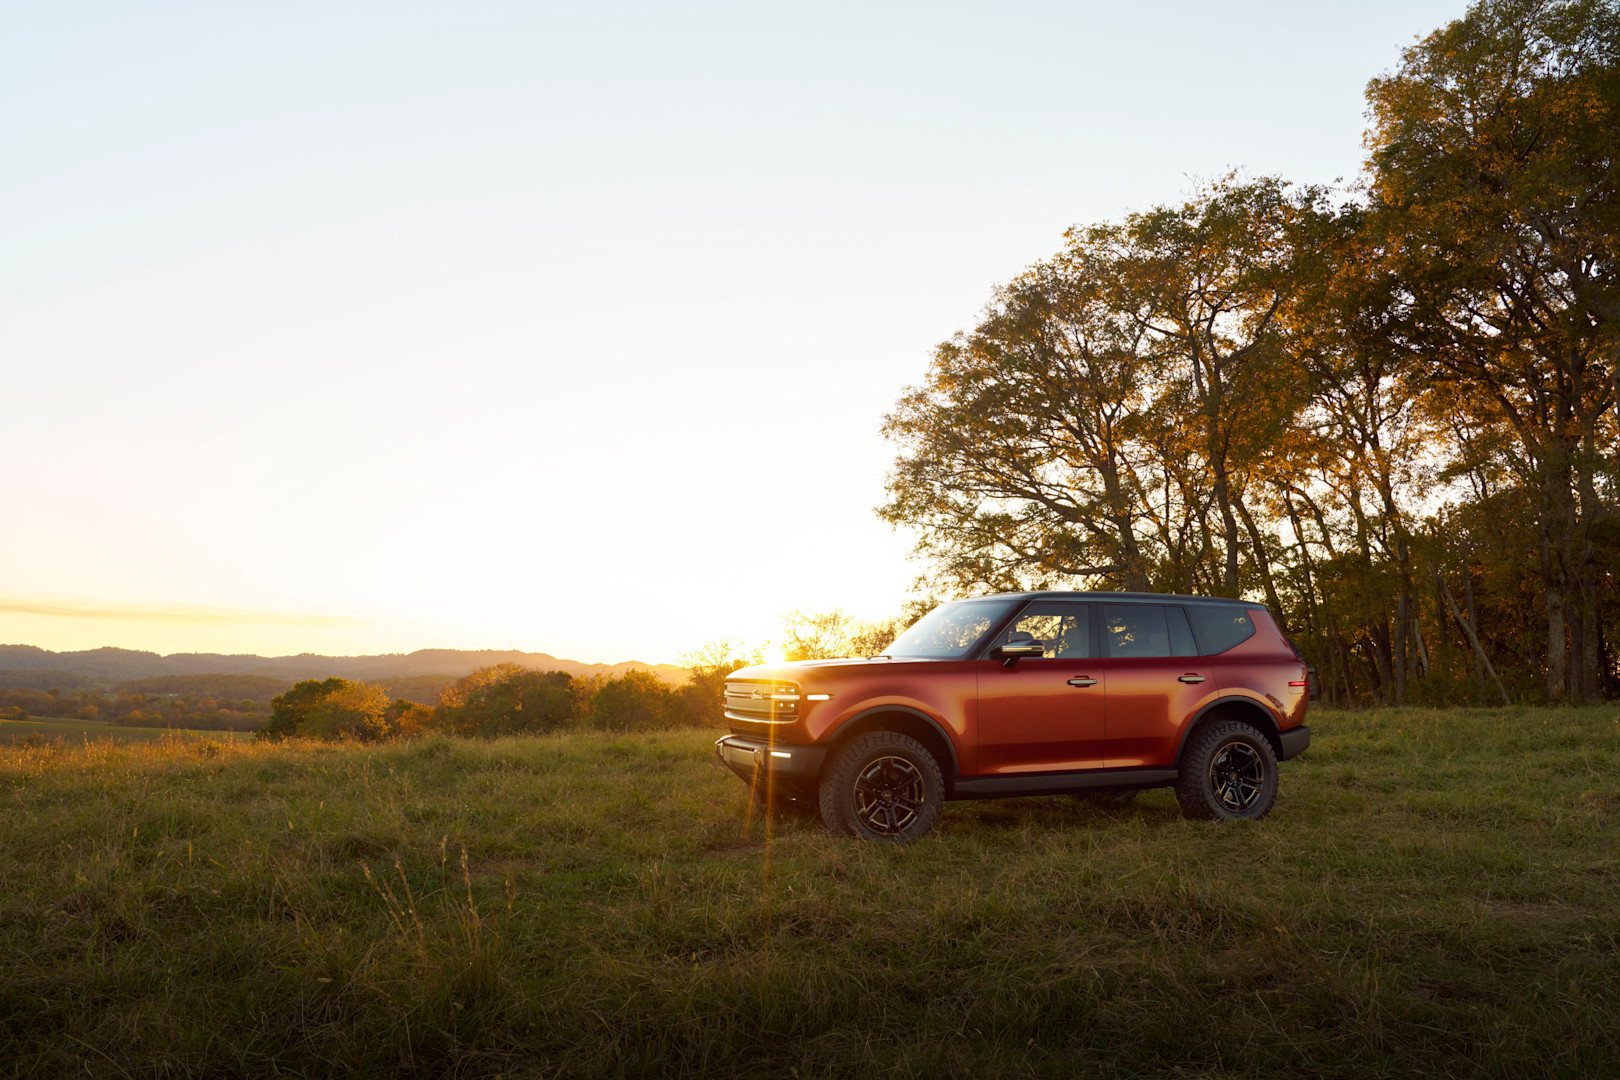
x: 51, y: 728
x: 1436, y: 894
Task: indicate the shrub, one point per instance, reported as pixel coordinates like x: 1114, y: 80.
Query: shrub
x: 507, y: 699
x: 352, y: 711
x: 340, y: 709
x: 287, y: 711
x: 637, y: 701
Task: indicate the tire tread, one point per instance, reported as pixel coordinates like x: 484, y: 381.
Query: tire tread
x: 837, y: 810
x: 1192, y: 789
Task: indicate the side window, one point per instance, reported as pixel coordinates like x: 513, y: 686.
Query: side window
x: 1181, y: 639
x: 1220, y: 627
x: 1063, y: 629
x: 1135, y: 630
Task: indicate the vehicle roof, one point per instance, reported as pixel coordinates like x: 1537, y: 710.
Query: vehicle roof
x: 1139, y: 597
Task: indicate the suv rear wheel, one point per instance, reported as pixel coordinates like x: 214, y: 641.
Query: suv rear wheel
x: 882, y: 786
x: 1228, y: 771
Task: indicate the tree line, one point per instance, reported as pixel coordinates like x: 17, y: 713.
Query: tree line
x: 504, y: 699
x: 137, y: 709
x: 1388, y: 413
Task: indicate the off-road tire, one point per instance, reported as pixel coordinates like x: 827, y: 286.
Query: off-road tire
x: 1227, y: 771
x: 881, y: 765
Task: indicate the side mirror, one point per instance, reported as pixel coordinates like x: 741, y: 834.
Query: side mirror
x: 1013, y: 652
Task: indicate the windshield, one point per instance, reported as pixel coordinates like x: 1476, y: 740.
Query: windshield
x: 950, y: 631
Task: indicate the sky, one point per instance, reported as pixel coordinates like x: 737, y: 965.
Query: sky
x: 353, y: 327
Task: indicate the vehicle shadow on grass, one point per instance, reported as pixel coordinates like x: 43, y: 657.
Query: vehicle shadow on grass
x: 1058, y: 812
x: 1052, y: 813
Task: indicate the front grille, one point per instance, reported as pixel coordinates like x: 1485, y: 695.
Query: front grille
x: 762, y: 702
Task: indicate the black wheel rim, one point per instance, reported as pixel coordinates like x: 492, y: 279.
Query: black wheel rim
x: 889, y: 795
x: 1237, y: 774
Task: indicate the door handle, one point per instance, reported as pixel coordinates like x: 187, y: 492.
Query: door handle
x: 1191, y: 678
x: 1083, y: 680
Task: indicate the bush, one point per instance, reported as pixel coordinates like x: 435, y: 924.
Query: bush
x: 287, y: 711
x: 637, y: 701
x: 340, y: 709
x: 352, y: 711
x: 508, y: 699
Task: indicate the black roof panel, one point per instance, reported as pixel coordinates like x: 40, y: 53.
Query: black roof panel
x: 1142, y: 597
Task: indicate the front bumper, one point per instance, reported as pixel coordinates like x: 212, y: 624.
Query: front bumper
x: 752, y: 758
x: 1294, y: 741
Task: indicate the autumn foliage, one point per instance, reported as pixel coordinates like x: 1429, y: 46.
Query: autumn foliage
x: 1389, y: 414
x: 505, y: 699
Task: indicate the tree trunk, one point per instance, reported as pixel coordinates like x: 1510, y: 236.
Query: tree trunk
x: 1422, y: 653
x: 1577, y: 627
x: 1263, y: 563
x: 1473, y: 620
x: 1378, y: 632
x: 1343, y: 651
x: 1590, y: 657
x: 1229, y: 526
x: 1558, y: 524
x: 1591, y: 652
x: 1557, y: 655
x: 1473, y: 638
x: 1399, y: 647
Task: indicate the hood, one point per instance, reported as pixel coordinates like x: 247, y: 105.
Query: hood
x: 789, y: 670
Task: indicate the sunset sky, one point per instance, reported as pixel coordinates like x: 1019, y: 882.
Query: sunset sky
x: 368, y: 327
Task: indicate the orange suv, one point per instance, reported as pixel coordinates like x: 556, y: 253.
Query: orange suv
x: 1035, y: 693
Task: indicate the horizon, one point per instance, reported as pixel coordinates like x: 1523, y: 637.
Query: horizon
x: 335, y: 656
x: 365, y: 330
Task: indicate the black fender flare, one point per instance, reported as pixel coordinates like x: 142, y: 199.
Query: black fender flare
x: 1272, y: 732
x: 838, y: 734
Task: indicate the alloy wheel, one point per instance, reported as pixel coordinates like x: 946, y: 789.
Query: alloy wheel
x: 889, y: 795
x: 1237, y: 774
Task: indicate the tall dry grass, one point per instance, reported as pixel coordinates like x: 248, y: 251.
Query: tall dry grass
x: 1436, y: 894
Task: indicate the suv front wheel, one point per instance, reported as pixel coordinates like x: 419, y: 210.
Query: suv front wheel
x: 1228, y: 771
x: 882, y: 786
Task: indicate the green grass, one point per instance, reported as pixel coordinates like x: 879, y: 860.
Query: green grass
x: 1436, y: 893
x: 51, y: 728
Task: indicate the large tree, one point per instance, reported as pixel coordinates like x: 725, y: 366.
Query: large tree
x: 1394, y: 419
x: 1102, y: 421
x: 1493, y: 161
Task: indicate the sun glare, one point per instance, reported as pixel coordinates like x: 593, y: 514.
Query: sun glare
x: 773, y: 653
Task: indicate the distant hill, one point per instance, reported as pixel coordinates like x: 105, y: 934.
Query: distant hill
x: 36, y: 679
x: 109, y: 665
x: 234, y: 687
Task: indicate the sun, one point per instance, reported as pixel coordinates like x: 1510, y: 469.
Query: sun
x: 773, y: 653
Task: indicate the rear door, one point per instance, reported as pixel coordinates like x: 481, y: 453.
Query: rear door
x: 1155, y: 682
x: 1045, y: 714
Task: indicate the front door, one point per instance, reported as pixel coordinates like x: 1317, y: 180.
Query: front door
x: 1043, y: 714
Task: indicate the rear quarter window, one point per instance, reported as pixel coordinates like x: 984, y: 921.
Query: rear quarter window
x: 1219, y: 627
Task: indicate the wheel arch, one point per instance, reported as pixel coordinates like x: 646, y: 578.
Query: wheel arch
x: 1241, y: 709
x: 907, y: 721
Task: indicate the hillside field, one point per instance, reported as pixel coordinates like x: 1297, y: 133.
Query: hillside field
x: 54, y: 729
x: 1436, y: 893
